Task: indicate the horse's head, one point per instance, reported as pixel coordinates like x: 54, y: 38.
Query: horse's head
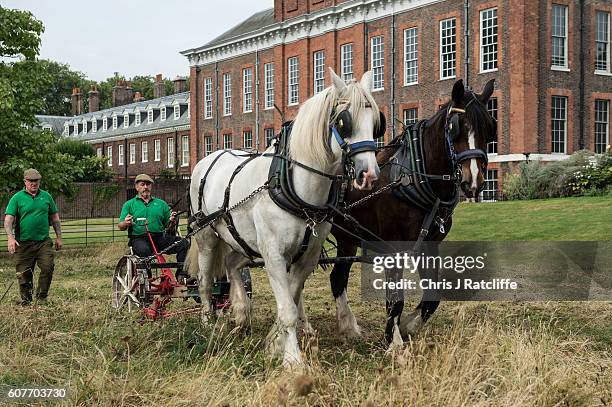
x: 356, y: 121
x: 338, y: 122
x: 469, y: 127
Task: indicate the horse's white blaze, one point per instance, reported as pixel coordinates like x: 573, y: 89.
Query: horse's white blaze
x: 473, y: 163
x: 347, y: 323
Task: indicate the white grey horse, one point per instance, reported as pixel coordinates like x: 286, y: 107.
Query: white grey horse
x: 266, y: 228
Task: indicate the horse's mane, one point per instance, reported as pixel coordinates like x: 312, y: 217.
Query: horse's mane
x: 310, y: 133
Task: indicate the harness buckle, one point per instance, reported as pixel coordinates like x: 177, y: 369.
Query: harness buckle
x: 446, y: 177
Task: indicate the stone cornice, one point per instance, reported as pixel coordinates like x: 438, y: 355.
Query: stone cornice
x: 165, y: 130
x: 329, y: 19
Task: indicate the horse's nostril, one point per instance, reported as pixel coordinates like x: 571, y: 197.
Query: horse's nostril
x: 360, y: 177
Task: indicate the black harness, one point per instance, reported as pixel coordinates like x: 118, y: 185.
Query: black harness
x: 280, y: 183
x: 409, y: 166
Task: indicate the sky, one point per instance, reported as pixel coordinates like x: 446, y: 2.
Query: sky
x: 132, y: 37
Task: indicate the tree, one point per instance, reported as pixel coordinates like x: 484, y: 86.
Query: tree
x: 57, y: 95
x: 21, y: 145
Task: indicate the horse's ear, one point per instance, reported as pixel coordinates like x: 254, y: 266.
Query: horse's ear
x: 366, y: 81
x: 458, y: 92
x: 337, y: 81
x: 487, y: 92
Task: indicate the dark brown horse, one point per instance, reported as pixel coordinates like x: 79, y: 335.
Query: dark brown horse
x: 454, y: 145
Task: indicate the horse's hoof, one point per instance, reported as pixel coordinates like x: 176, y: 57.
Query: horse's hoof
x: 411, y: 324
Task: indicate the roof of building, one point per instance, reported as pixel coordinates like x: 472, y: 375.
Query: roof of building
x: 56, y: 122
x: 145, y: 126
x: 255, y: 22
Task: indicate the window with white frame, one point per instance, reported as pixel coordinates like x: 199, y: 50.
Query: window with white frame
x: 488, y: 40
x: 137, y: 118
x: 177, y: 111
x: 602, y: 42
x: 126, y: 120
x: 318, y: 71
x: 66, y: 129
x: 269, y: 136
x: 75, y: 132
x: 94, y: 125
x: 227, y: 94
x: 491, y: 186
x: 227, y: 141
x: 144, y: 152
x: 247, y: 139
x: 104, y: 124
x: 99, y: 152
x: 109, y: 155
x: 293, y: 81
x: 120, y: 154
x: 185, y: 151
x: 269, y: 85
x: 492, y: 108
x: 559, y: 36
x: 208, y: 98
x: 208, y: 146
x: 559, y: 124
x: 157, y: 148
x: 448, y: 48
x: 47, y: 127
x: 84, y: 126
x: 170, y: 152
x: 346, y: 61
x: 132, y: 153
x: 411, y: 116
x: 150, y: 116
x: 378, y: 61
x: 247, y: 90
x: 115, y: 122
x: 411, y: 56
x: 162, y: 113
x: 602, y: 125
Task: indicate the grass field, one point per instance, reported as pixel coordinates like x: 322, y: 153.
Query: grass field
x: 497, y: 354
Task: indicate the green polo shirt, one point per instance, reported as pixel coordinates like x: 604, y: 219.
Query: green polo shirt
x: 156, y: 211
x: 32, y: 214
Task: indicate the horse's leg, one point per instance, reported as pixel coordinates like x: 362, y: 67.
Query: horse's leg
x: 412, y: 323
x: 241, y: 304
x: 301, y: 270
x: 338, y: 278
x: 394, y: 305
x: 202, y: 258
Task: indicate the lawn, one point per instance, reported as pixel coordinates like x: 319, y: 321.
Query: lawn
x: 478, y: 353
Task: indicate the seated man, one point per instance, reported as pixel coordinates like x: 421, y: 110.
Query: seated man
x: 158, y: 215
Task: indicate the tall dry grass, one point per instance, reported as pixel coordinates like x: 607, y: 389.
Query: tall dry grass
x: 495, y: 354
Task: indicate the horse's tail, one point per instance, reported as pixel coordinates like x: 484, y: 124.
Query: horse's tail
x: 192, y: 265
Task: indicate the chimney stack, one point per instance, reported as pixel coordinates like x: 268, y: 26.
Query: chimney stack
x: 180, y: 84
x: 94, y: 99
x: 159, y: 88
x: 138, y: 97
x: 129, y: 93
x: 122, y: 95
x: 77, y: 102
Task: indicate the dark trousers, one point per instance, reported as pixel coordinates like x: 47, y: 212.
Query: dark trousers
x: 142, y: 246
x: 27, y: 255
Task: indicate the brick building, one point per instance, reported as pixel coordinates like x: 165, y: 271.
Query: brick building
x: 136, y: 135
x: 550, y: 59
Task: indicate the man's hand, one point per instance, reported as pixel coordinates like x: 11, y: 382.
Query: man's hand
x: 58, y: 243
x: 12, y: 244
x: 172, y: 216
x: 128, y: 220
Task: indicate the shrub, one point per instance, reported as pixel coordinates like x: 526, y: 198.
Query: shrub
x: 581, y: 174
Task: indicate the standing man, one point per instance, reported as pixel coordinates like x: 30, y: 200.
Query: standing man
x: 157, y: 214
x: 26, y: 222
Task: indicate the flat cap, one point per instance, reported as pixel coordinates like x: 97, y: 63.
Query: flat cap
x: 32, y: 174
x: 143, y: 177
